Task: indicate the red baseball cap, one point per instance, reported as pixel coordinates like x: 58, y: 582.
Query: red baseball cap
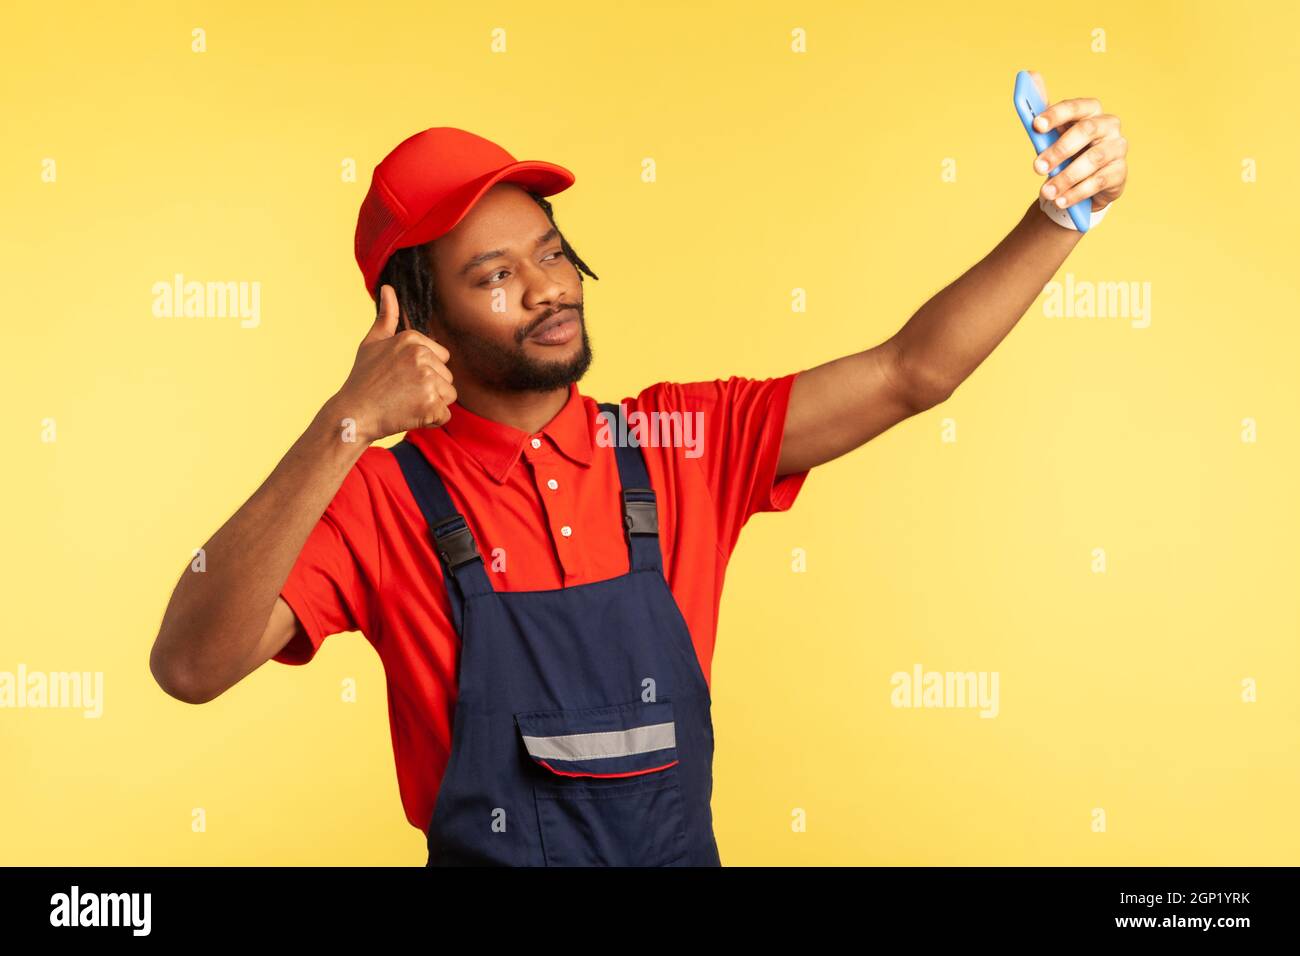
x: 427, y: 184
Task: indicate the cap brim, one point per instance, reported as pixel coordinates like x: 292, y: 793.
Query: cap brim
x: 542, y: 178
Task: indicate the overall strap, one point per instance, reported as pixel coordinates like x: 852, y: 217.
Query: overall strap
x: 640, y: 513
x: 452, y: 539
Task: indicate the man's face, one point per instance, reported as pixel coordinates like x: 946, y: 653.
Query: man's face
x: 504, y: 282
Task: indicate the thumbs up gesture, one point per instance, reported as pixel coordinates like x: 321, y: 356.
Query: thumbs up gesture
x: 399, y: 380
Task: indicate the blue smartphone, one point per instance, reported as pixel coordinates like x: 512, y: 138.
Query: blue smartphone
x: 1028, y: 105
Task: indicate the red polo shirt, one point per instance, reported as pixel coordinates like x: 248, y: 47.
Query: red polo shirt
x: 545, y: 511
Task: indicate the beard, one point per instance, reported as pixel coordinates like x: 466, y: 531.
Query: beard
x: 511, y: 368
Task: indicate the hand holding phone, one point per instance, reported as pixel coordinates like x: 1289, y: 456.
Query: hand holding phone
x: 1029, y: 103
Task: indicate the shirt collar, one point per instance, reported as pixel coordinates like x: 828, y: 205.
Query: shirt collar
x: 497, y: 446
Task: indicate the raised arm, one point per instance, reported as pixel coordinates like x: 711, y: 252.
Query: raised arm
x: 222, y: 624
x: 844, y: 403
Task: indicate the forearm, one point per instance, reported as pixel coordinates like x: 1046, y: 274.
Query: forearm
x: 949, y: 336
x: 216, y: 617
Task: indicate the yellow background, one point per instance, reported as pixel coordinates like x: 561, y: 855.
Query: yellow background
x: 776, y: 171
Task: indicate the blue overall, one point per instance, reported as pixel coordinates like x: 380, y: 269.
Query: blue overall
x: 583, y: 733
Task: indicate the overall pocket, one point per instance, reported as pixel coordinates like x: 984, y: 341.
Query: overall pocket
x: 606, y: 784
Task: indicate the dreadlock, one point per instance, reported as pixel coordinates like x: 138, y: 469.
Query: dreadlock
x: 409, y: 273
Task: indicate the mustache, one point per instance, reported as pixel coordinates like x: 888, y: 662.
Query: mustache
x: 529, y: 330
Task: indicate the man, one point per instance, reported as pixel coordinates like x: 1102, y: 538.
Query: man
x: 541, y: 575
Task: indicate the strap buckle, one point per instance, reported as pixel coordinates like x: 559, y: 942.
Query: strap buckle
x: 455, y: 543
x: 640, y: 515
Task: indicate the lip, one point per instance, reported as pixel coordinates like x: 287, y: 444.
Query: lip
x: 555, y: 322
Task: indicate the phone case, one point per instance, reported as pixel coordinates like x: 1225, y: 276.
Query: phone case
x: 1028, y: 105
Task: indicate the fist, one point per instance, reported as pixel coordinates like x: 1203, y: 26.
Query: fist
x: 399, y: 380
x: 1100, y: 168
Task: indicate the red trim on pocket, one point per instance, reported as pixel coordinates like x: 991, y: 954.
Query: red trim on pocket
x: 627, y: 773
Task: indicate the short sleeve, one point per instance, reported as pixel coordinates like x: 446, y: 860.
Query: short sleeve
x: 333, y: 580
x: 743, y: 422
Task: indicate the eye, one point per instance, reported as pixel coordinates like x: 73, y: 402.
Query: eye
x: 490, y: 279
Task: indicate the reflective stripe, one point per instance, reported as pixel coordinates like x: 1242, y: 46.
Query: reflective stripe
x: 612, y: 743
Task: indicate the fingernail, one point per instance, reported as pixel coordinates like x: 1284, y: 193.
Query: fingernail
x: 1060, y: 200
x: 1049, y: 190
x: 1040, y: 166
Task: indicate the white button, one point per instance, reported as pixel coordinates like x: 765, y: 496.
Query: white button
x: 566, y: 531
x: 537, y: 443
x: 552, y: 484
